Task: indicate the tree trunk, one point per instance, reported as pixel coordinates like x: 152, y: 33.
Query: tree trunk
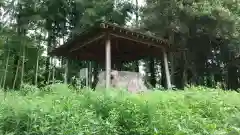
x: 53, y: 70
x: 23, y: 64
x: 152, y: 72
x: 86, y: 74
x: 21, y: 33
x: 95, y: 75
x: 136, y: 63
x: 54, y: 61
x: 90, y: 74
x: 172, y: 66
x: 193, y: 75
x: 210, y: 80
x: 183, y: 71
x: 6, y: 69
x: 136, y: 66
x: 66, y: 72
x: 172, y: 41
x: 16, y: 73
x: 232, y: 77
x: 49, y: 45
x: 1, y: 82
x: 36, y: 70
x: 163, y: 74
x: 137, y: 13
x: 49, y: 70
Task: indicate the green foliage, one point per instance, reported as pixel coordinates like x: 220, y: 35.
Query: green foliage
x: 207, y: 29
x: 65, y: 111
x: 39, y: 26
x: 27, y: 88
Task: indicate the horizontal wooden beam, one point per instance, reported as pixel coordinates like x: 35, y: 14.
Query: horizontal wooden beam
x: 127, y: 31
x: 137, y: 40
x: 87, y: 42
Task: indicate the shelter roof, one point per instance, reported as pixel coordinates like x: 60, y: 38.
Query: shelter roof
x: 126, y: 44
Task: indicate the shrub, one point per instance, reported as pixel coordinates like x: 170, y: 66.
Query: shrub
x: 68, y: 112
x: 26, y: 88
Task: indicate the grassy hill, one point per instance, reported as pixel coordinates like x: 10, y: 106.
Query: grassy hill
x: 59, y: 110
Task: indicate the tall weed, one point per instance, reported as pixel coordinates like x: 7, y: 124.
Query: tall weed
x: 60, y: 110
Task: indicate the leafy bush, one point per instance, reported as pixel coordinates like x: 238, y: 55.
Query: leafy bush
x: 59, y: 110
x: 27, y: 88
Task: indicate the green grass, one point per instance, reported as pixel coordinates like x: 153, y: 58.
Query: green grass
x: 59, y: 110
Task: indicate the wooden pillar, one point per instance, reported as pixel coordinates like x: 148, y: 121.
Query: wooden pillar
x: 108, y: 61
x: 168, y: 78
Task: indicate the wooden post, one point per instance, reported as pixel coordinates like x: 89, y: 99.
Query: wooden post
x: 108, y: 61
x: 168, y: 78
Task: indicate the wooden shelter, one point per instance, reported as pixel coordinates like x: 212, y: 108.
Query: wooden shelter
x: 110, y: 44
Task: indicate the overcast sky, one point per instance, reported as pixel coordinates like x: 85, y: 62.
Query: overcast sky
x: 141, y: 2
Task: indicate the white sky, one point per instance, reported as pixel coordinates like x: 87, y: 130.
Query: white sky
x: 140, y: 2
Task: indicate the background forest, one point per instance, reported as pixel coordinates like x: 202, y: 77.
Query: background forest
x: 206, y: 31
